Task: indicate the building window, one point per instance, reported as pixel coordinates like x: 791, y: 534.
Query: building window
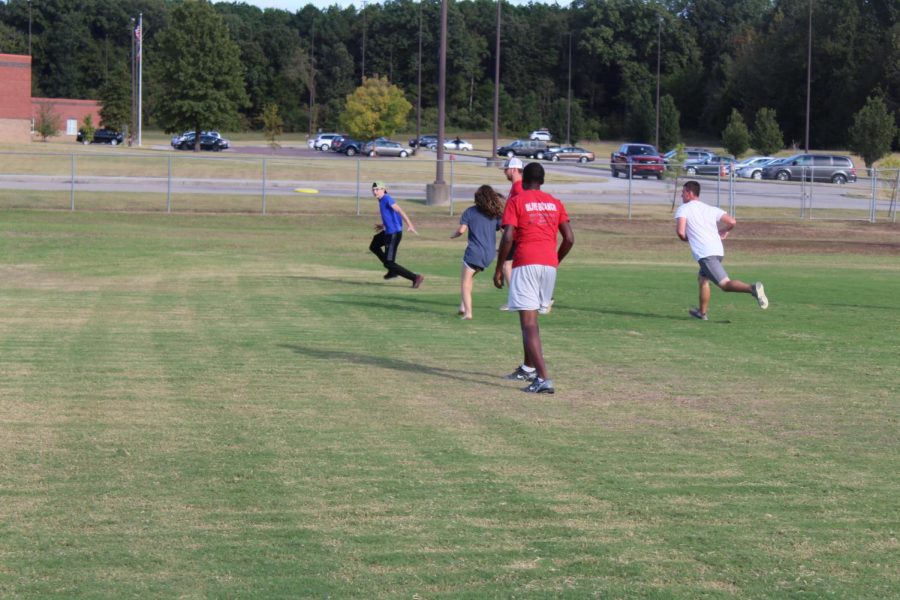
x: 71, y: 126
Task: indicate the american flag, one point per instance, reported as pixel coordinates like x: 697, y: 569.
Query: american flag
x: 137, y: 38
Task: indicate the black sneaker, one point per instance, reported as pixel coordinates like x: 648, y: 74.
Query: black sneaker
x: 695, y: 312
x: 521, y: 374
x: 540, y: 386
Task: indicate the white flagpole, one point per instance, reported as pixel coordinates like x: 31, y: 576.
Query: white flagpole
x: 140, y: 43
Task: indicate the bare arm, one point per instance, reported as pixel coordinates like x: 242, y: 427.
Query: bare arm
x: 459, y: 231
x: 505, y: 246
x: 567, y: 242
x: 726, y: 224
x: 681, y: 228
x: 409, y: 225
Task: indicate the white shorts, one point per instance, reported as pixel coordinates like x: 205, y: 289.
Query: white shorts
x: 531, y: 288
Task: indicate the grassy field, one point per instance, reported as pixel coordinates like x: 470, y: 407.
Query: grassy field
x: 235, y: 406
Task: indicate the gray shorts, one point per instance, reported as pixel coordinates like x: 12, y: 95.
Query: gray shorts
x: 531, y: 288
x: 711, y: 268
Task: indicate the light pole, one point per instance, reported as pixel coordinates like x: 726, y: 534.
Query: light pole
x: 496, y: 89
x: 29, y: 27
x: 658, y: 62
x: 419, y: 88
x: 569, y: 105
x: 808, y: 74
x: 437, y: 192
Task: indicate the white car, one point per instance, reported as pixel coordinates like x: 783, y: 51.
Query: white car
x: 322, y: 141
x: 462, y: 145
x: 751, y: 167
x: 540, y: 134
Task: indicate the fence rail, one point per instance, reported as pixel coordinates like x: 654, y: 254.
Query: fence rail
x: 168, y: 181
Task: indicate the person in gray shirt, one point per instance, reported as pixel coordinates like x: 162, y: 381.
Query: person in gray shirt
x: 482, y: 222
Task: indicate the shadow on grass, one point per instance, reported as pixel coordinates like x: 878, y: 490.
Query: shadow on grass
x: 367, y: 360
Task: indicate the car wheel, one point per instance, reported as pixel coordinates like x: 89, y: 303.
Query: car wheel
x: 783, y: 176
x: 372, y: 153
x: 659, y: 176
x: 554, y: 158
x: 350, y: 151
x: 85, y: 142
x: 615, y: 174
x: 756, y: 175
x: 403, y: 154
x: 839, y: 179
x: 325, y: 148
x: 510, y: 154
x: 582, y: 159
x: 539, y: 156
x: 114, y: 142
x: 691, y: 171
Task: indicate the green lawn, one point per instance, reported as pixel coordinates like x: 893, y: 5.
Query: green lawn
x: 235, y: 406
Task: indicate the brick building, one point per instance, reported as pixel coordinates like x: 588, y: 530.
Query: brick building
x: 18, y: 110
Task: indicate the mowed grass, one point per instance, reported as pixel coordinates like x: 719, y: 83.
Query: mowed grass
x: 236, y: 406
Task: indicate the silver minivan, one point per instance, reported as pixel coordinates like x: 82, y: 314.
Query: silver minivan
x: 812, y: 167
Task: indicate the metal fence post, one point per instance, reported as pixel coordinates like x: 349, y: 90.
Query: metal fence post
x: 630, y: 179
x: 264, y: 165
x: 451, y: 184
x: 873, y: 173
x: 72, y: 192
x: 169, y: 186
x: 357, y: 185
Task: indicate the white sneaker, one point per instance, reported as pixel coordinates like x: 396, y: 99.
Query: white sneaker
x: 759, y: 292
x: 504, y: 307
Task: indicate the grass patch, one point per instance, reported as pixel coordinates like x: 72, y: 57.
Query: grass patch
x: 239, y: 406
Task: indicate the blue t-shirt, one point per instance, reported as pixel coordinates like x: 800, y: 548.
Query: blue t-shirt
x: 390, y: 218
x: 483, y: 229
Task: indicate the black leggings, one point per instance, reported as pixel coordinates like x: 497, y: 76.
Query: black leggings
x: 384, y: 246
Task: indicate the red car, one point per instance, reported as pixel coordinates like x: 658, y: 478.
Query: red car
x: 637, y: 159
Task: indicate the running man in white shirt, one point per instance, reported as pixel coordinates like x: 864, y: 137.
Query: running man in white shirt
x: 704, y: 227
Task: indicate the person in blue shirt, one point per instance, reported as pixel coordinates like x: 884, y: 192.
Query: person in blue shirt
x: 388, y: 234
x: 482, y: 222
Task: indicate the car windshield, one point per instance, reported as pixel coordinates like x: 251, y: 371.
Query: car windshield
x: 640, y: 150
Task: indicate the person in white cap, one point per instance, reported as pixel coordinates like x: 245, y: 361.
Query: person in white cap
x: 512, y: 168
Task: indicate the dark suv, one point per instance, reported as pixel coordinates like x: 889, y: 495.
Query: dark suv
x: 812, y: 167
x: 530, y: 148
x: 102, y: 136
x: 637, y: 159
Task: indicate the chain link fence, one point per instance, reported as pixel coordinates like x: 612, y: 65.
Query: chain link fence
x: 169, y: 181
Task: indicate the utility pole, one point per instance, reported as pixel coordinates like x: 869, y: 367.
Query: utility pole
x: 312, y: 79
x: 569, y: 106
x: 658, y: 63
x: 363, y: 73
x: 808, y: 75
x: 29, y: 27
x: 419, y: 87
x: 494, y: 142
x: 438, y: 192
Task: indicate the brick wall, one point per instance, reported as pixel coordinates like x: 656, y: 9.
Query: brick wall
x: 69, y: 110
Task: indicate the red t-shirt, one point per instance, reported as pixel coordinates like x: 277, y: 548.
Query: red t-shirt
x: 515, y: 190
x: 536, y: 216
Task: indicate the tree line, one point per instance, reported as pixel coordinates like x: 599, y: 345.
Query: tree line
x: 714, y: 56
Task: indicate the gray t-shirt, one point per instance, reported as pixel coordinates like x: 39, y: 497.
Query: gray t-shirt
x: 483, y: 229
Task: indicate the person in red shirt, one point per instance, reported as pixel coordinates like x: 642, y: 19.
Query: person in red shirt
x: 533, y: 220
x: 513, y: 171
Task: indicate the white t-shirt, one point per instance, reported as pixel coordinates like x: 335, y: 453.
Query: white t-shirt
x: 702, y: 228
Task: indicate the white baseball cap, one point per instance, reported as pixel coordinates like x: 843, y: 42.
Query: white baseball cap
x: 513, y: 163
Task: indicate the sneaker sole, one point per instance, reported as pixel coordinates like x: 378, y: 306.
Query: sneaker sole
x: 761, y: 296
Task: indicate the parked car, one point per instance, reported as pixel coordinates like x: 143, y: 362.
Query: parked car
x: 207, y: 142
x: 751, y: 168
x: 345, y: 144
x: 101, y: 136
x: 637, y: 159
x: 530, y: 148
x: 719, y: 166
x: 424, y: 141
x: 384, y: 148
x: 322, y: 141
x: 691, y: 155
x: 569, y: 153
x: 189, y: 136
x: 458, y: 145
x: 540, y: 134
x: 815, y: 167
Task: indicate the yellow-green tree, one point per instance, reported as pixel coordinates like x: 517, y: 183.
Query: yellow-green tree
x: 376, y: 108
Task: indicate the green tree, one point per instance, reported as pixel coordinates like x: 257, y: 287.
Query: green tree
x: 115, y: 97
x: 873, y: 131
x: 87, y: 129
x: 669, y: 123
x: 198, y: 71
x: 736, y: 137
x: 273, y: 124
x: 376, y: 108
x: 767, y: 137
x: 47, y: 122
